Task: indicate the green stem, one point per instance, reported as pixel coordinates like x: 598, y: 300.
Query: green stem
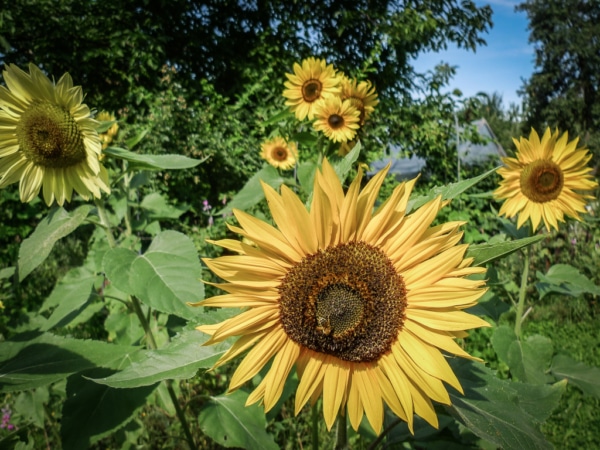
x: 522, y: 292
x: 315, y: 426
x: 181, y: 415
x: 105, y: 222
x: 151, y: 342
x: 341, y: 441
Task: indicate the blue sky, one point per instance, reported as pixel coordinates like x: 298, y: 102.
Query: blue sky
x: 498, y: 67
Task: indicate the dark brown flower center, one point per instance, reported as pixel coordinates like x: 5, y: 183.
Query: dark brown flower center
x: 347, y: 301
x: 542, y: 181
x: 311, y: 90
x: 279, y: 154
x: 49, y: 136
x: 335, y: 121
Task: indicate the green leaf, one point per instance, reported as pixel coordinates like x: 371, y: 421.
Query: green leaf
x: 502, y: 412
x: 343, y: 166
x: 528, y: 360
x: 227, y: 421
x: 165, y: 278
x: 306, y: 175
x: 305, y: 138
x: 447, y: 192
x: 584, y: 377
x: 29, y: 361
x: 565, y: 279
x: 152, y: 162
x: 252, y: 192
x: 158, y: 207
x: 136, y: 139
x: 282, y: 115
x: 181, y: 359
x: 485, y: 253
x: 92, y: 411
x: 56, y: 225
x: 503, y: 337
x: 30, y: 405
x: 69, y: 297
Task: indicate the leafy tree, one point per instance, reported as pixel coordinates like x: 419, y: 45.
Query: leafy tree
x: 564, y: 91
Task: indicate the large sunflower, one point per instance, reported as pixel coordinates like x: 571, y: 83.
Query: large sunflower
x: 363, y: 303
x: 47, y: 138
x: 540, y: 183
x: 310, y: 82
x: 362, y: 96
x: 279, y: 153
x: 337, y: 119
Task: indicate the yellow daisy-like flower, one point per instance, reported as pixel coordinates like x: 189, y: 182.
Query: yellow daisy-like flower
x: 47, y: 138
x: 362, y: 96
x: 541, y: 182
x: 337, y: 119
x: 310, y: 82
x: 280, y: 153
x: 363, y: 303
x: 107, y: 137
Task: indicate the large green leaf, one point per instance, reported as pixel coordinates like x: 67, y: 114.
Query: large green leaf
x: 56, y: 225
x: 179, y: 360
x: 165, y: 277
x: 529, y: 359
x: 485, y: 253
x: 69, y: 297
x: 584, y: 377
x: 29, y: 361
x: 502, y: 412
x: 92, y: 411
x: 448, y: 191
x: 565, y: 279
x: 252, y: 192
x: 159, y: 208
x: 230, y: 423
x: 152, y: 162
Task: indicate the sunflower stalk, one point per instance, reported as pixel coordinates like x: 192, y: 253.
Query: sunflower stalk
x: 522, y: 291
x: 151, y: 343
x: 105, y: 222
x: 341, y: 433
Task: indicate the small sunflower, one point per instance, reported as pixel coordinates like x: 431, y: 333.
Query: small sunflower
x: 310, y: 82
x: 47, y: 138
x: 362, y: 96
x: 363, y: 303
x: 540, y: 183
x: 279, y: 153
x: 107, y: 137
x: 337, y: 119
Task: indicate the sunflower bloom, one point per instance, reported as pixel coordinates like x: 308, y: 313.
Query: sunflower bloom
x: 280, y: 153
x: 337, y: 119
x: 361, y: 95
x: 47, y: 138
x: 310, y: 82
x: 545, y: 179
x: 362, y: 303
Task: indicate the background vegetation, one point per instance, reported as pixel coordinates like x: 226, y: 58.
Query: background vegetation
x: 204, y: 79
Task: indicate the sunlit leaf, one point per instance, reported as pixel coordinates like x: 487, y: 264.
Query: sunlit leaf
x: 29, y: 361
x: 485, y: 253
x: 165, y: 277
x: 158, y: 207
x: 252, y: 192
x: 181, y: 359
x: 56, y: 225
x: 448, y: 191
x: 567, y: 280
x: 152, y: 162
x: 529, y: 359
x: 229, y: 422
